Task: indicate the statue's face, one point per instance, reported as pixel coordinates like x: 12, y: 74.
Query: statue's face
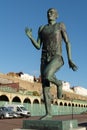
x: 52, y: 14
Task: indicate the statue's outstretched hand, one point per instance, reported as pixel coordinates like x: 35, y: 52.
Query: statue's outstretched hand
x: 28, y: 32
x: 72, y: 65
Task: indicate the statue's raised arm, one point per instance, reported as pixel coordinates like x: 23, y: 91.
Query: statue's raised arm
x: 28, y: 32
x: 37, y: 44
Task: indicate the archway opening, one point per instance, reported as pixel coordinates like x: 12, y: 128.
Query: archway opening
x: 55, y: 103
x: 69, y: 104
x: 27, y: 100
x: 65, y: 104
x: 61, y: 104
x: 4, y: 98
x: 16, y: 99
x: 35, y: 101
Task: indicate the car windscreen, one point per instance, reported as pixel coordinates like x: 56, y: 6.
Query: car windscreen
x: 23, y: 108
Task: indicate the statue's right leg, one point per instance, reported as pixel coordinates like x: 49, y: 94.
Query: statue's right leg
x: 46, y: 93
x: 47, y: 101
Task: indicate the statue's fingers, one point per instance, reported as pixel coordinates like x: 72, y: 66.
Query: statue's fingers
x: 75, y: 68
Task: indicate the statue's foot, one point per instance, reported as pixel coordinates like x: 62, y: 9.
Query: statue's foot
x: 46, y: 117
x: 62, y: 97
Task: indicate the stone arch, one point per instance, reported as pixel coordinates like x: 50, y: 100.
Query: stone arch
x: 84, y: 106
x: 35, y: 101
x: 27, y: 100
x: 56, y: 103
x: 16, y: 99
x: 72, y: 104
x: 79, y: 105
x: 61, y: 104
x: 65, y: 104
x: 76, y: 105
x: 4, y: 98
x: 69, y: 104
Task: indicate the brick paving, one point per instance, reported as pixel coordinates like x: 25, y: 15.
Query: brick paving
x: 10, y: 124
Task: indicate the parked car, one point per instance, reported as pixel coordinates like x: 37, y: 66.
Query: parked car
x: 19, y: 110
x: 6, y: 113
x: 15, y: 115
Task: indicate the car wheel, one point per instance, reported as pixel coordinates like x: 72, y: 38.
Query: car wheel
x: 2, y: 116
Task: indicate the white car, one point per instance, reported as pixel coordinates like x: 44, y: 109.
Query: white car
x: 19, y: 110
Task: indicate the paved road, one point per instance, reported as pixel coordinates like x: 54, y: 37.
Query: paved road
x: 10, y: 124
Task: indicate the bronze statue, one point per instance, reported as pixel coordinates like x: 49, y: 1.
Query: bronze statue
x: 50, y: 38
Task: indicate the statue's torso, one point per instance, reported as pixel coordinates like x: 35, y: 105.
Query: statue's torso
x: 51, y: 37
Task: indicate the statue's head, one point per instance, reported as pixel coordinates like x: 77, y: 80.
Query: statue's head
x: 52, y: 12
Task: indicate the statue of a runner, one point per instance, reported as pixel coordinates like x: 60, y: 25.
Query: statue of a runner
x: 50, y: 38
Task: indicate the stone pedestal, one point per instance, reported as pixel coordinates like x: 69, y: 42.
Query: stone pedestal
x: 79, y: 128
x: 50, y: 124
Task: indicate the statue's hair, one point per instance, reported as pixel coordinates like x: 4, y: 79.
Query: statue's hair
x: 54, y: 10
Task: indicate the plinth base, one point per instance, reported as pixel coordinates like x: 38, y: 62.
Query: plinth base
x: 78, y: 128
x: 50, y: 124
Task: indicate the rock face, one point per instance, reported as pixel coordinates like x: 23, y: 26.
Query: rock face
x: 77, y: 92
x: 5, y: 81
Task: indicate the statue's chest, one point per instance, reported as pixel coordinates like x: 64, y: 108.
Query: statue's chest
x: 50, y: 31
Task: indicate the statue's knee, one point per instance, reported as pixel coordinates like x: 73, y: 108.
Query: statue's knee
x: 48, y: 77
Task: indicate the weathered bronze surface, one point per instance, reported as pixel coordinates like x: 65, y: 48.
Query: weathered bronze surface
x: 50, y: 124
x: 50, y: 37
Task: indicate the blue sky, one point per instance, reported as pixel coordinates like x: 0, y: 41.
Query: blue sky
x: 18, y: 54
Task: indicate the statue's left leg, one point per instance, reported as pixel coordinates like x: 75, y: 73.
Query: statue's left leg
x: 50, y: 71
